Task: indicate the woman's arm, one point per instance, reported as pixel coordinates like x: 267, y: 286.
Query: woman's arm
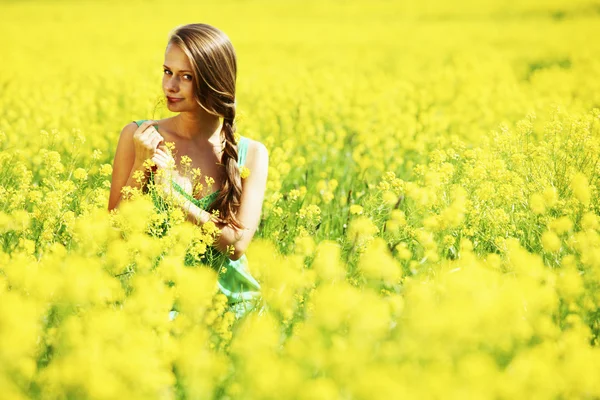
x: 128, y: 161
x: 249, y: 213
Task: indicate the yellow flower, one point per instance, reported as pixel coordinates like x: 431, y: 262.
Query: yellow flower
x: 199, y: 248
x: 327, y: 196
x: 299, y: 161
x: 550, y: 242
x: 356, y: 209
x: 321, y: 185
x: 376, y: 263
x: 294, y: 194
x: 209, y: 180
x: 148, y: 164
x: 550, y: 196
x: 570, y: 285
x: 333, y: 184
x: 399, y: 217
x: 244, y: 172
x: 312, y: 211
x: 196, y: 173
x: 177, y: 216
x: 305, y: 245
x: 536, y: 203
x: 210, y: 227
x: 27, y: 245
x: 389, y: 198
x: 105, y: 170
x: 80, y: 174
x: 403, y: 252
x: 362, y: 230
x: 198, y: 188
x: 466, y: 245
x: 185, y: 161
x: 448, y: 240
x: 170, y: 146
x: 561, y: 225
x: 589, y: 221
x: 581, y: 190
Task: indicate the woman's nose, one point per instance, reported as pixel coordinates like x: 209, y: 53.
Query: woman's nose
x: 171, y: 85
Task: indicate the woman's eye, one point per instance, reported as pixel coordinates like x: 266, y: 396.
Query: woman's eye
x: 188, y: 77
x: 166, y: 71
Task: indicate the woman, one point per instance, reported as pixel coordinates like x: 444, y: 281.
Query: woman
x: 199, y: 84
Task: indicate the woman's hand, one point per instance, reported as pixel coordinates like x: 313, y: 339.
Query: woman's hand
x: 146, y: 140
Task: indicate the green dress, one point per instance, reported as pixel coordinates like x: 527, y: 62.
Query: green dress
x: 240, y: 287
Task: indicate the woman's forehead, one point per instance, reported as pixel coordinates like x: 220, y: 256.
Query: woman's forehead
x: 176, y: 59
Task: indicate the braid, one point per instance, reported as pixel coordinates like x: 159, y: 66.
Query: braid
x: 229, y: 198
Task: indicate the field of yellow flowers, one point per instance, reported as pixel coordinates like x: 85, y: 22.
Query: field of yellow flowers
x: 431, y: 227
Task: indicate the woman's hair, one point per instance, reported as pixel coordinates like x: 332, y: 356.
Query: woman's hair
x: 214, y: 68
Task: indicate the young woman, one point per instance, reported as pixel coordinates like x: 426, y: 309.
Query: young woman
x: 199, y: 84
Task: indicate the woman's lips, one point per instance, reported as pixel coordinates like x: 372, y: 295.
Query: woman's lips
x: 174, y: 99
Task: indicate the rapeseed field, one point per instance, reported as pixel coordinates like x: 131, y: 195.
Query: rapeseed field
x: 430, y: 230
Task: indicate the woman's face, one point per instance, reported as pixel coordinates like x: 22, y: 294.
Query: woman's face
x: 178, y: 81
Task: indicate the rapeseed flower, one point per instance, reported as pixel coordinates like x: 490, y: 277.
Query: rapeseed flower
x: 550, y: 242
x: 580, y: 187
x: 537, y: 204
x: 561, y: 225
x: 80, y: 174
x: 361, y: 231
x: 356, y: 209
x: 244, y: 172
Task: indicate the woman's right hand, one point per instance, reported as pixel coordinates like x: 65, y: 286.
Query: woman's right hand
x: 146, y: 140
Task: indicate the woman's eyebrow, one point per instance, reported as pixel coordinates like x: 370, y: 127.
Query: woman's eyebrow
x: 183, y: 70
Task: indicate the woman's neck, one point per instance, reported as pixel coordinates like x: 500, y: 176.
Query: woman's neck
x: 198, y: 127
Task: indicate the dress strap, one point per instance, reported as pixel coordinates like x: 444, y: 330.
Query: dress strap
x: 242, y: 150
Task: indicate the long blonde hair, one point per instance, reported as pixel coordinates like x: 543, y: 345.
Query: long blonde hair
x: 214, y: 68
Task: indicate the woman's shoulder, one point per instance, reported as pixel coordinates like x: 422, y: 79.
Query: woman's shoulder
x: 256, y: 151
x: 253, y: 144
x: 129, y: 129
